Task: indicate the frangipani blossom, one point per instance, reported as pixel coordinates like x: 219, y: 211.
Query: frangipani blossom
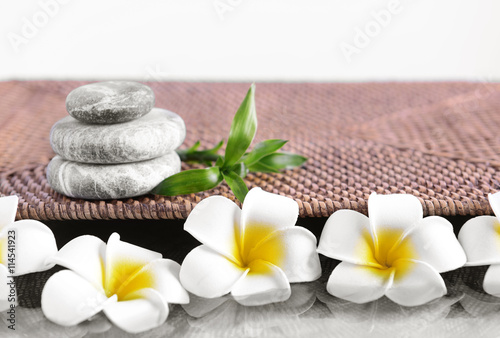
x: 396, y: 252
x: 480, y: 238
x: 24, y: 247
x: 132, y: 285
x: 254, y: 253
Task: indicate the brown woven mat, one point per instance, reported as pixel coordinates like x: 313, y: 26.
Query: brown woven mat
x: 438, y: 141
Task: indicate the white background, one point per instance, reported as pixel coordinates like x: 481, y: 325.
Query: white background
x: 250, y: 40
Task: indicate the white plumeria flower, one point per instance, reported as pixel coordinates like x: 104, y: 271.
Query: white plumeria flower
x: 396, y: 252
x: 480, y: 238
x: 24, y: 247
x: 132, y: 285
x: 254, y: 253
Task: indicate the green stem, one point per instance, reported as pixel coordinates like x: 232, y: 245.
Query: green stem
x: 196, y: 156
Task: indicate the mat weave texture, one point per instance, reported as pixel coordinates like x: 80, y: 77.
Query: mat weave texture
x: 437, y: 141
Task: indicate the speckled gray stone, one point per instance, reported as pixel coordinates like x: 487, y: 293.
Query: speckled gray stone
x: 153, y: 135
x: 110, y: 102
x: 110, y: 181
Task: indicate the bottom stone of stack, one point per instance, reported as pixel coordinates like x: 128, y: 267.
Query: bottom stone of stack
x: 110, y: 181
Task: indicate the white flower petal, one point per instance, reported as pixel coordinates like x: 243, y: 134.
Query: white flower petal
x: 215, y: 222
x: 358, y: 283
x: 263, y: 213
x: 480, y: 238
x: 124, y: 260
x: 34, y: 242
x: 162, y: 275
x: 293, y: 250
x: 85, y: 255
x: 433, y: 241
x: 397, y: 212
x: 346, y: 236
x: 265, y: 283
x: 494, y: 200
x: 208, y: 274
x: 8, y: 209
x: 491, y: 283
x: 145, y: 311
x: 68, y: 299
x: 7, y: 289
x: 415, y: 283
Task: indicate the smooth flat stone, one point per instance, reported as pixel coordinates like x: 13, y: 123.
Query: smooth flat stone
x: 110, y: 181
x: 110, y: 102
x: 153, y: 135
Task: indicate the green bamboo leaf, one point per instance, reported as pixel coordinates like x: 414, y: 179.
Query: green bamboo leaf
x: 237, y: 185
x: 184, y: 153
x: 195, y: 146
x: 199, y: 156
x: 242, y: 131
x: 215, y: 149
x: 262, y: 168
x: 280, y: 161
x: 189, y: 181
x: 241, y: 169
x: 262, y: 149
x: 220, y: 161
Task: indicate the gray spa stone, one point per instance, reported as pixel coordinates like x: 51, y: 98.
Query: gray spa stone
x: 110, y: 102
x: 110, y: 181
x: 153, y: 135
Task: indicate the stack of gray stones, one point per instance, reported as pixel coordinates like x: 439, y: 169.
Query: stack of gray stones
x: 114, y: 144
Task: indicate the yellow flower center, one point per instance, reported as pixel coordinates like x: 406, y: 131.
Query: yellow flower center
x: 389, y: 252
x: 253, y: 244
x: 125, y: 278
x: 496, y: 226
x: 385, y: 242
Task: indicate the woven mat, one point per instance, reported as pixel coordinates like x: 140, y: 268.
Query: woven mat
x: 437, y: 141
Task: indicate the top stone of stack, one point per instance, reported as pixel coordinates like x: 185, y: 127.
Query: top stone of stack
x: 110, y: 102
